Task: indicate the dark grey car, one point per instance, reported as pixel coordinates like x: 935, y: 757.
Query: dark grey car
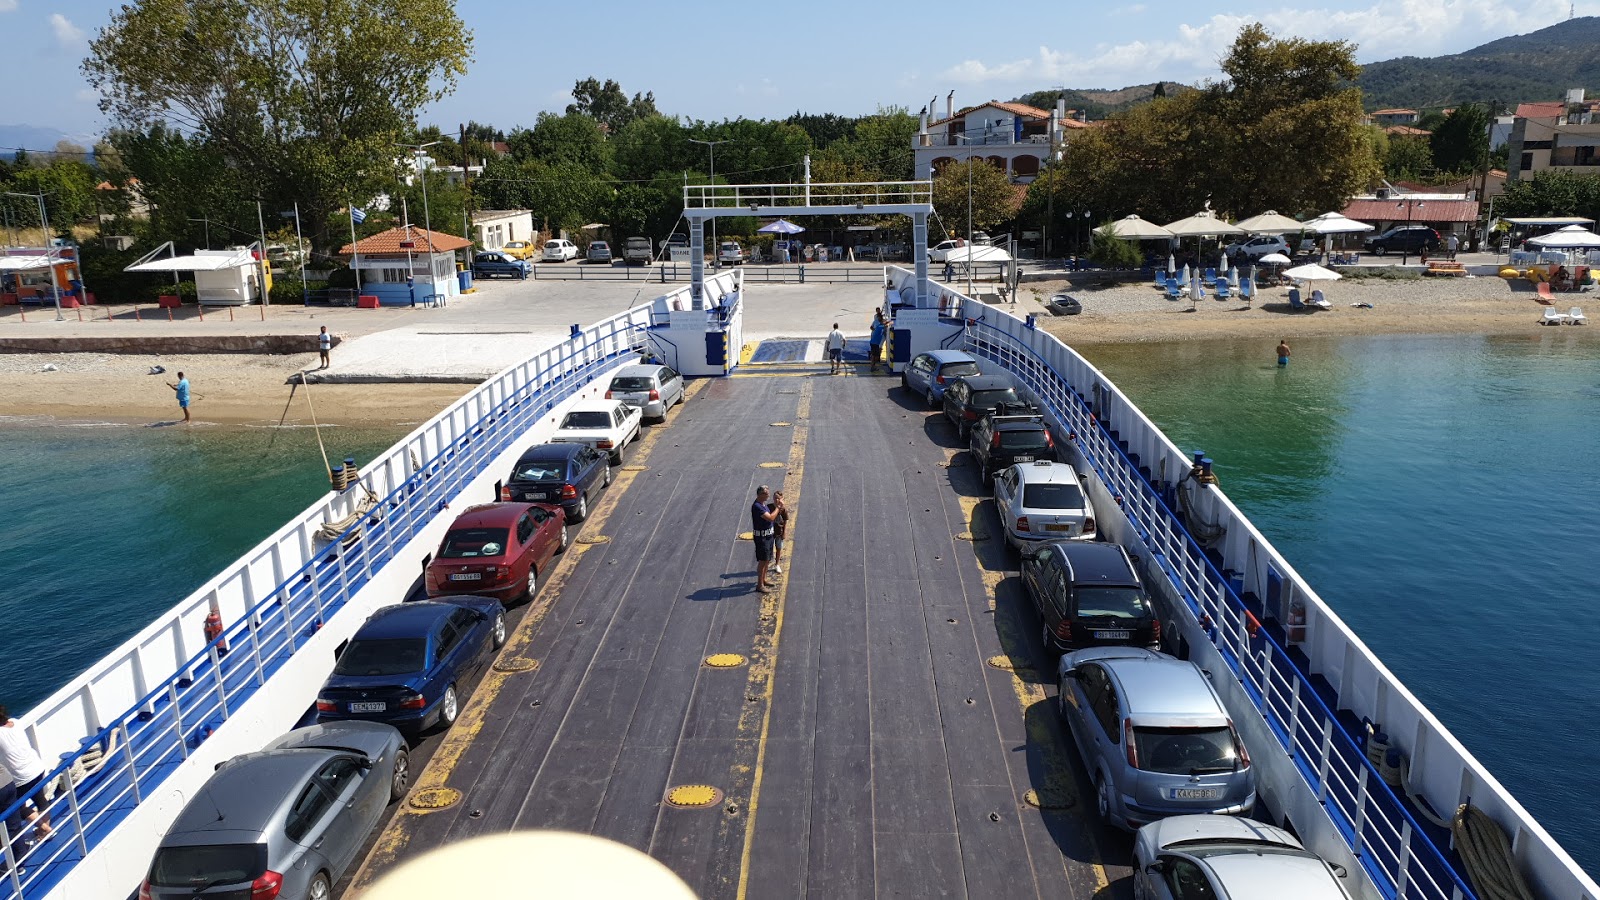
x: 285, y: 822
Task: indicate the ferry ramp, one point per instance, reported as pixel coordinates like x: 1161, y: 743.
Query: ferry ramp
x: 887, y: 731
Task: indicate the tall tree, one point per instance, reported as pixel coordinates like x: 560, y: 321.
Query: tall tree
x: 1461, y: 140
x: 608, y: 104
x: 573, y: 139
x: 651, y: 145
x: 305, y: 100
x: 993, y: 199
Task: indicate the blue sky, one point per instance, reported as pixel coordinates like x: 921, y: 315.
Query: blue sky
x: 715, y: 60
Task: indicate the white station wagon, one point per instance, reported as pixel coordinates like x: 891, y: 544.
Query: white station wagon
x: 606, y: 425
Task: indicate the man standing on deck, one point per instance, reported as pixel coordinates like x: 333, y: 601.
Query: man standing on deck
x: 835, y: 347
x: 1284, y: 352
x: 21, y: 765
x: 879, y: 328
x: 182, y: 390
x: 762, y: 516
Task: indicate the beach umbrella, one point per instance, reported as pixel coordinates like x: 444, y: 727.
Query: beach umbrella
x: 1333, y: 223
x: 1184, y: 276
x: 595, y: 226
x: 1202, y: 224
x: 1172, y: 265
x: 1572, y: 236
x: 1276, y: 259
x: 1311, y: 272
x: 782, y: 226
x: 1134, y: 228
x: 1233, y: 274
x: 1269, y: 222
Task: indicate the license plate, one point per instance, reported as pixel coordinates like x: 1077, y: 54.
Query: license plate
x: 1111, y: 635
x: 467, y: 576
x: 535, y: 495
x: 370, y: 706
x: 1196, y: 793
x: 1058, y: 528
x: 1022, y: 459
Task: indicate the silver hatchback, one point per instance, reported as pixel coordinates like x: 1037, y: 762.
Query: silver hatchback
x: 1153, y: 736
x: 651, y: 388
x: 285, y: 822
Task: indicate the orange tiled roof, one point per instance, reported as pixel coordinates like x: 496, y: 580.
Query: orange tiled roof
x: 1421, y: 212
x: 1406, y: 130
x: 1016, y: 109
x: 1395, y: 112
x: 387, y: 243
x: 1544, y: 110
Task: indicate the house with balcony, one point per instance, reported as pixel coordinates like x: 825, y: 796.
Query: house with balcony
x: 1385, y: 118
x: 1013, y: 137
x: 1554, y: 135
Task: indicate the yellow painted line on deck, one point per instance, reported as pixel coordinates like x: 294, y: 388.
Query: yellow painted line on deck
x: 1028, y: 690
x: 748, y: 351
x: 764, y: 656
x: 474, y: 714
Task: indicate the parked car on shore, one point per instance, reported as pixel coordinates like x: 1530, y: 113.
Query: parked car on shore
x: 636, y: 251
x: 598, y: 252
x: 559, y: 250
x: 1403, y: 239
x: 497, y: 550
x: 1256, y: 247
x: 519, y: 249
x: 490, y: 263
x: 730, y: 253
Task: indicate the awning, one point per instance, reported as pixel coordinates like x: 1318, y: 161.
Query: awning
x: 24, y: 263
x: 194, y: 263
x: 1549, y: 220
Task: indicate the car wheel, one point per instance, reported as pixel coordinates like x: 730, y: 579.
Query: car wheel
x: 1379, y: 250
x: 583, y: 508
x: 448, y: 708
x: 566, y: 540
x: 319, y: 889
x: 933, y: 402
x: 605, y: 480
x: 500, y: 617
x: 616, y: 457
x: 400, y: 781
x: 905, y: 383
x: 1102, y: 798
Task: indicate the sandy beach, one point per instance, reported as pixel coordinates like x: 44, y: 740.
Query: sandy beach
x: 240, y: 389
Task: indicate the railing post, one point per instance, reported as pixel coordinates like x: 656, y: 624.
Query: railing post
x: 1323, y: 766
x: 177, y: 718
x: 1294, y: 719
x: 77, y: 817
x: 255, y: 649
x: 133, y: 768
x: 1403, y: 859
x: 222, y: 686
x: 1361, y: 809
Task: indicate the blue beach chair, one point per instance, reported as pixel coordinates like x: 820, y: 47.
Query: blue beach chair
x: 1294, y: 300
x: 1210, y: 276
x: 1222, y: 289
x: 1174, y: 292
x: 1247, y: 289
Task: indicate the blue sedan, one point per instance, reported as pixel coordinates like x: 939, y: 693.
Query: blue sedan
x: 408, y: 662
x: 927, y: 373
x: 493, y: 262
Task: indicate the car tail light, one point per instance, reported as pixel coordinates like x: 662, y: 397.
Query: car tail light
x: 1244, y: 752
x: 1088, y: 525
x: 1022, y: 523
x: 144, y: 890
x: 1127, y: 740
x: 655, y: 395
x: 939, y: 379
x: 326, y: 705
x: 568, y: 492
x: 969, y: 413
x: 505, y: 493
x: 1064, y: 630
x: 994, y: 440
x: 605, y: 445
x: 492, y: 572
x: 1155, y: 631
x: 414, y: 701
x: 608, y: 394
x: 267, y: 886
x: 1048, y: 440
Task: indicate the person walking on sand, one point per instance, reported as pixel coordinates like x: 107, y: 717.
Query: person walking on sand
x: 182, y: 390
x: 324, y: 345
x: 835, y: 349
x: 762, y: 515
x: 780, y: 529
x: 879, y: 329
x: 1284, y: 352
x: 21, y: 764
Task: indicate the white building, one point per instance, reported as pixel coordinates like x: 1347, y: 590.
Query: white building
x: 494, y: 228
x: 1013, y: 137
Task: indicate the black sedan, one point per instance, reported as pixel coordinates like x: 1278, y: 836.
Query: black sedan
x: 971, y: 397
x: 567, y: 474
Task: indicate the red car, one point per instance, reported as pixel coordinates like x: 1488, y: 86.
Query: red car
x: 497, y: 550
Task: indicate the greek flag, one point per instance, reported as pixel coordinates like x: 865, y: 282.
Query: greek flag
x: 357, y: 215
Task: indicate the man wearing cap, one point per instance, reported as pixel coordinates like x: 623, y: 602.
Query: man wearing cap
x: 762, y: 515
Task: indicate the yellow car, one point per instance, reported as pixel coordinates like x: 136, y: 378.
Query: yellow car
x: 519, y: 249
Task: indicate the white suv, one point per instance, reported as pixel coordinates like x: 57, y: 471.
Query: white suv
x: 1259, y: 246
x: 559, y: 250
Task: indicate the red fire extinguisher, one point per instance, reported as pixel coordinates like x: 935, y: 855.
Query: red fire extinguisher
x: 213, y: 629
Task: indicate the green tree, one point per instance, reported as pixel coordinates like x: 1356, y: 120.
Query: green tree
x: 608, y: 104
x: 573, y: 139
x: 1552, y: 193
x: 1409, y: 158
x: 1461, y: 140
x: 652, y: 145
x: 757, y: 151
x: 304, y: 100
x: 185, y: 180
x: 993, y: 198
x: 881, y: 146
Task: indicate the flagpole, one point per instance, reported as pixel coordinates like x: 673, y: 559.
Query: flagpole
x: 356, y: 265
x: 411, y: 270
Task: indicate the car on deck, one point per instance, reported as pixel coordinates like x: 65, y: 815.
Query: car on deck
x: 928, y: 373
x: 1042, y: 501
x: 1154, y: 736
x: 498, y: 550
x: 491, y: 263
x: 1088, y: 593
x: 1013, y: 433
x: 651, y: 387
x: 606, y: 425
x: 284, y: 822
x: 1226, y: 857
x: 971, y: 397
x: 409, y: 664
x: 566, y: 474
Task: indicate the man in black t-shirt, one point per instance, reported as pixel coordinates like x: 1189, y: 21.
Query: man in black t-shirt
x: 762, y: 515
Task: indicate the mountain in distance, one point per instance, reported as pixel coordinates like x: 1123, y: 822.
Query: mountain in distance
x: 35, y: 137
x: 1540, y: 65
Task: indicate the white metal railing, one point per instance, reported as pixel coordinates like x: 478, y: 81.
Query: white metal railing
x: 1379, y: 828
x: 280, y: 594
x: 756, y: 196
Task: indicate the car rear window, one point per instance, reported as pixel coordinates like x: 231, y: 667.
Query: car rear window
x: 1186, y: 751
x: 590, y: 419
x: 383, y: 656
x: 958, y: 369
x: 632, y: 383
x: 539, y: 471
x: 1112, y: 602
x: 993, y: 398
x: 472, y: 543
x: 1022, y: 440
x: 1052, y: 496
x: 219, y: 863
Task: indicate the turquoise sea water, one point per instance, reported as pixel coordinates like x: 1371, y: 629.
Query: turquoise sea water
x: 1442, y: 494
x: 102, y: 527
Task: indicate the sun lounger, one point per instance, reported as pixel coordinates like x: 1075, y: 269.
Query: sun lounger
x: 1319, y: 301
x: 1222, y: 289
x: 1210, y: 276
x: 1161, y: 279
x: 1294, y: 301
x: 1247, y: 289
x: 1545, y: 297
x: 1576, y: 316
x: 1173, y: 290
x: 1551, y: 317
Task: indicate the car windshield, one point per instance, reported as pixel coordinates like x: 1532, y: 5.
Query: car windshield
x: 632, y: 383
x: 1022, y: 440
x: 989, y: 399
x: 1186, y: 751
x: 1052, y: 496
x: 473, y: 543
x: 599, y: 245
x: 1112, y: 602
x: 534, y: 470
x: 957, y: 369
x: 591, y: 419
x: 383, y: 656
x: 218, y: 863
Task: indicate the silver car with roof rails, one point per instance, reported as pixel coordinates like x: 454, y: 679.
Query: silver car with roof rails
x: 1153, y: 735
x: 1229, y: 858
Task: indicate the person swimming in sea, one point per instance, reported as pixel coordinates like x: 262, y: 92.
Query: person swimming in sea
x: 1284, y: 352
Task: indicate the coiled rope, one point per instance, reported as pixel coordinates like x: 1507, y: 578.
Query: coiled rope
x: 330, y: 531
x: 1484, y: 848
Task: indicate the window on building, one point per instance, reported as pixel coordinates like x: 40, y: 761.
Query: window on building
x: 1573, y: 156
x: 1527, y: 162
x: 392, y: 276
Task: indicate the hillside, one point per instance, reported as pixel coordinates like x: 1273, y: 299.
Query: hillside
x: 1540, y: 65
x: 1097, y: 102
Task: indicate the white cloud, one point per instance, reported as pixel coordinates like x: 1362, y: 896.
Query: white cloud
x: 1192, y: 53
x: 67, y: 34
x: 7, y: 5
x: 87, y: 95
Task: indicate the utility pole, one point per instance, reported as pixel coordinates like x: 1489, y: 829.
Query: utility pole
x: 261, y: 224
x: 716, y: 262
x: 1483, y: 185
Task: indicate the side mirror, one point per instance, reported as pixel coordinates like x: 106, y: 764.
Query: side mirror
x: 1027, y: 551
x: 1074, y: 674
x: 366, y: 762
x: 1159, y: 867
x: 1339, y: 870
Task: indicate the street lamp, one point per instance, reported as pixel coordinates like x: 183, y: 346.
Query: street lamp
x: 427, y: 223
x: 1405, y: 250
x: 711, y: 147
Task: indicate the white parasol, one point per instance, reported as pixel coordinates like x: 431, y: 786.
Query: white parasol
x: 1269, y: 222
x: 1572, y: 236
x: 1134, y: 228
x: 1311, y: 272
x: 1276, y: 259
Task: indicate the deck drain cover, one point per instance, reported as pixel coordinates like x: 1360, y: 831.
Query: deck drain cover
x: 694, y: 796
x: 516, y: 664
x: 781, y: 424
x: 1004, y: 662
x: 1051, y: 799
x: 634, y: 468
x: 594, y: 539
x: 772, y: 465
x: 972, y: 536
x: 747, y: 536
x: 435, y: 798
x: 724, y: 660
